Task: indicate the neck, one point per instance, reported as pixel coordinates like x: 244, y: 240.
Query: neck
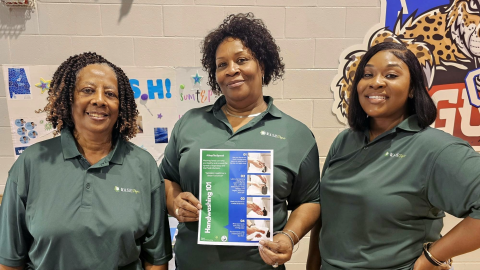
x: 381, y: 125
x: 238, y: 108
x: 91, y: 145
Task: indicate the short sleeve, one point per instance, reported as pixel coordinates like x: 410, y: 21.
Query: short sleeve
x: 169, y: 168
x: 14, y: 237
x: 157, y: 247
x: 454, y: 184
x: 306, y: 185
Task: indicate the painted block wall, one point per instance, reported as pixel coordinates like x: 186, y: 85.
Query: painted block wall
x: 311, y: 34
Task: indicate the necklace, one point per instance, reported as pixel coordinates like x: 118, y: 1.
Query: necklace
x: 241, y: 116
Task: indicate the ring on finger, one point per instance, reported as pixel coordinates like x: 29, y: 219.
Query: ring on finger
x: 176, y: 212
x: 275, y: 265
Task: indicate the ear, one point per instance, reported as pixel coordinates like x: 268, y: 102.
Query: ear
x: 262, y: 68
x: 410, y: 93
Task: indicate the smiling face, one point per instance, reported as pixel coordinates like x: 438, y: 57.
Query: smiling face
x: 385, y: 87
x: 95, y: 103
x: 238, y: 73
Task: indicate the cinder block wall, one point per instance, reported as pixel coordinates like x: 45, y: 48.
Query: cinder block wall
x: 311, y: 34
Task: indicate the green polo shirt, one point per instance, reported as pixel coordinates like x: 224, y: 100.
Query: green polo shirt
x: 296, y: 174
x: 382, y: 200
x: 59, y: 212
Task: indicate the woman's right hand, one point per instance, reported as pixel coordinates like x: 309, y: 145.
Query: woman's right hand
x: 187, y: 207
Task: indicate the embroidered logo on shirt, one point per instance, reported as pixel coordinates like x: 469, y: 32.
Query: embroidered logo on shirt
x: 397, y: 155
x: 127, y: 190
x: 264, y: 133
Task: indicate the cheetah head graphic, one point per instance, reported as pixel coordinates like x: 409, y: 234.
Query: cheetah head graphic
x: 443, y: 38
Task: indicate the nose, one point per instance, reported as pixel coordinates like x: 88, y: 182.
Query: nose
x: 377, y: 82
x: 232, y: 69
x: 99, y: 98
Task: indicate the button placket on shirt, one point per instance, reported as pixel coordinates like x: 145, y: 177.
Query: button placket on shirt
x: 87, y: 185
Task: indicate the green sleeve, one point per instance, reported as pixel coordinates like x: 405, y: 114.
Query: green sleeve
x: 14, y: 237
x: 157, y: 246
x: 454, y: 182
x: 169, y: 168
x: 306, y: 185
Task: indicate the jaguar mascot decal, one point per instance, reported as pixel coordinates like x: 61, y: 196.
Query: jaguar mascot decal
x: 445, y: 37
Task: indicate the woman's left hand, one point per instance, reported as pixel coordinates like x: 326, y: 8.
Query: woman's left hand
x: 423, y: 264
x: 276, y: 252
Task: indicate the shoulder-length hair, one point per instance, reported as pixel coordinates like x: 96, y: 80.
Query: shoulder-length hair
x: 421, y: 104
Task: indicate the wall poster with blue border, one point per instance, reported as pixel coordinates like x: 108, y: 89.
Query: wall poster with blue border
x: 236, y: 192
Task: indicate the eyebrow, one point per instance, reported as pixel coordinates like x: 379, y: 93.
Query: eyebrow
x: 389, y: 65
x: 237, y: 53
x: 106, y: 86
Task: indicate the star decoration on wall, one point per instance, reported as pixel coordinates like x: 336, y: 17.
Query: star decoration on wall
x: 197, y: 78
x: 43, y: 84
x: 159, y: 116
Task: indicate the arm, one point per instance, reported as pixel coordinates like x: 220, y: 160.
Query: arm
x: 156, y: 248
x: 3, y: 267
x: 454, y: 186
x: 148, y: 267
x: 463, y: 238
x: 187, y: 205
x: 172, y: 190
x: 302, y: 219
x: 314, y: 260
x: 15, y: 238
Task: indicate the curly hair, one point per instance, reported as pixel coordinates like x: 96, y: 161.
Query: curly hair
x: 254, y: 35
x: 62, y: 88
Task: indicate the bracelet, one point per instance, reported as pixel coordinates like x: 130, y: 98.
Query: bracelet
x: 298, y: 239
x: 433, y: 260
x: 288, y: 235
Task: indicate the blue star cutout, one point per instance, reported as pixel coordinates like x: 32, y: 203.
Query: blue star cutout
x: 159, y: 116
x: 197, y: 78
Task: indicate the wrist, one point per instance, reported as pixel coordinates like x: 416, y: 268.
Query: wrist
x: 293, y: 235
x: 284, y: 237
x: 437, y: 261
x: 436, y: 252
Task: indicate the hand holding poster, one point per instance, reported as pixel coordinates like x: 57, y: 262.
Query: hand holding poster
x: 236, y: 188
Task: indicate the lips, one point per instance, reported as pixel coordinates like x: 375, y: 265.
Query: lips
x: 376, y: 99
x: 235, y: 83
x: 97, y: 115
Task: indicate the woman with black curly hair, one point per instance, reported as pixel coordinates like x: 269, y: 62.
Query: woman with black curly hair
x: 88, y: 199
x: 241, y: 57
